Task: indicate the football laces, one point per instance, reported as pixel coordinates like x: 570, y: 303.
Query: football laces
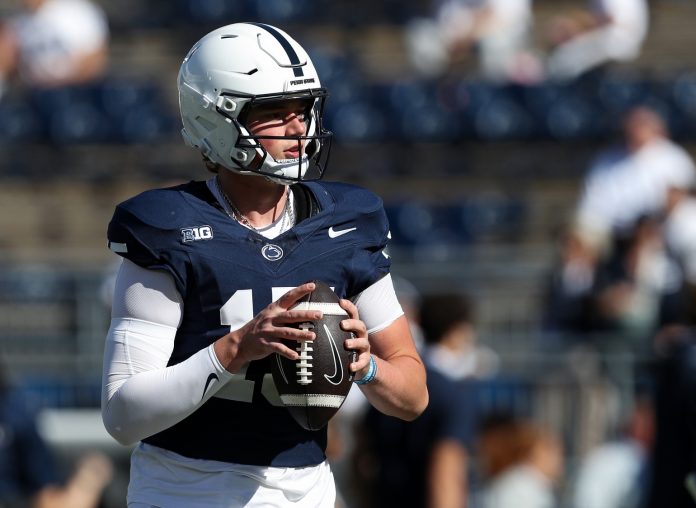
x: 304, y: 362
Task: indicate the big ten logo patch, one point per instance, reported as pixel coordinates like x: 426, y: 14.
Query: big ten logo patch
x: 195, y: 234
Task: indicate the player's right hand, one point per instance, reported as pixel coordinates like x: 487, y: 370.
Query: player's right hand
x: 264, y: 334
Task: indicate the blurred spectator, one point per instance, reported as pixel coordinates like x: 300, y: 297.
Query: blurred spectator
x: 607, y: 30
x: 54, y: 43
x: 451, y: 347
x: 634, y: 283
x: 520, y: 463
x: 615, y: 268
x: 631, y: 181
x: 29, y: 475
x: 680, y: 240
x: 604, y: 316
x: 613, y: 474
x: 680, y: 230
x: 497, y: 29
x: 430, y: 455
x: 569, y: 298
x: 674, y: 450
x: 346, y: 425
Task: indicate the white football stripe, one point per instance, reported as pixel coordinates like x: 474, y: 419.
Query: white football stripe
x: 312, y: 400
x: 329, y: 309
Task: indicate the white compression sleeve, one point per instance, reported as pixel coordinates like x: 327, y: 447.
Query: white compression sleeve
x: 140, y: 394
x: 148, y: 295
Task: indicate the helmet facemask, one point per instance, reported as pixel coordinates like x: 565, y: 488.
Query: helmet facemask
x: 248, y: 153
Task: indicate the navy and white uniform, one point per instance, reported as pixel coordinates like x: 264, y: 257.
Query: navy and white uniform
x: 225, y: 274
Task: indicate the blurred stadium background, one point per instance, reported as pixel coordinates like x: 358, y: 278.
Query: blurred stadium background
x: 478, y: 179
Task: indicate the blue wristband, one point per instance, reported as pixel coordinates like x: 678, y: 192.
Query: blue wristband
x: 371, y: 373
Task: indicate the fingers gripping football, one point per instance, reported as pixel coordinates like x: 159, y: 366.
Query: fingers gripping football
x: 264, y: 334
x: 359, y: 343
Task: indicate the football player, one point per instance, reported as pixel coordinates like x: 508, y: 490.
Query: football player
x: 210, y: 271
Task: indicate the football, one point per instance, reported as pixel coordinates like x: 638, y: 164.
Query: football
x: 314, y: 386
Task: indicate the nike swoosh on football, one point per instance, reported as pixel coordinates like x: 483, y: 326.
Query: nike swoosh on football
x: 280, y: 368
x: 210, y: 379
x: 338, y: 366
x: 336, y: 233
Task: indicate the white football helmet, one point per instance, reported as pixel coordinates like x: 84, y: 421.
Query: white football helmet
x: 232, y: 70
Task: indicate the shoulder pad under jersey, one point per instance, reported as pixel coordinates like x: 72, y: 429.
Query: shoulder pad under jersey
x: 146, y: 229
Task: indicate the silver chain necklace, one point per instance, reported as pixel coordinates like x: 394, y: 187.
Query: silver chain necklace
x: 238, y: 216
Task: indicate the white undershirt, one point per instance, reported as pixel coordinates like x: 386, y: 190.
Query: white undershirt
x: 274, y: 229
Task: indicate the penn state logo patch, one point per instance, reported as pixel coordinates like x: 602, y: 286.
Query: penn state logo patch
x: 272, y: 252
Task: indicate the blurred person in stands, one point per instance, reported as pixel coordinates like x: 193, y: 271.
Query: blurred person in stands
x: 679, y: 231
x: 497, y: 30
x: 54, y: 43
x: 624, y: 198
x: 606, y: 31
x: 426, y: 463
x: 631, y: 181
x: 569, y: 297
x: 634, y: 283
x: 29, y: 474
x: 520, y: 463
x: 673, y: 455
x: 451, y: 346
x: 622, y: 298
x: 674, y: 450
x: 212, y: 270
x: 613, y: 474
x: 345, y: 427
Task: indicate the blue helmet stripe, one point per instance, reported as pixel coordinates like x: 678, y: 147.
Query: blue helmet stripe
x: 294, y: 59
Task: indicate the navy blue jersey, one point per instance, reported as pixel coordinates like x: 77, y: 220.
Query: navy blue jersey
x: 226, y: 274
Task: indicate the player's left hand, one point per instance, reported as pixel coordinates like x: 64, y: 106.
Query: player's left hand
x: 359, y: 343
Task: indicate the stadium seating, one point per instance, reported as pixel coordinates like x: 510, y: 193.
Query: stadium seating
x: 473, y: 219
x: 20, y: 123
x: 412, y: 110
x: 110, y: 112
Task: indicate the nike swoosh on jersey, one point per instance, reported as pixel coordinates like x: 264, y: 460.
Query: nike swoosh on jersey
x: 336, y: 233
x: 212, y: 377
x: 338, y: 366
